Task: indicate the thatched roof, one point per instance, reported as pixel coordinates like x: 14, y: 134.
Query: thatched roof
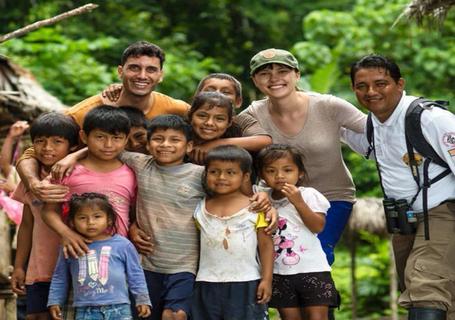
x: 21, y: 96
x: 431, y: 10
x: 368, y: 215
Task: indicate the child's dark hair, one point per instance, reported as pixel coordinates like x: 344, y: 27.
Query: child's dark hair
x: 378, y: 62
x: 107, y: 118
x: 55, y: 124
x: 91, y: 199
x: 170, y: 121
x: 277, y: 151
x: 222, y: 76
x: 143, y: 48
x: 136, y: 116
x: 230, y: 153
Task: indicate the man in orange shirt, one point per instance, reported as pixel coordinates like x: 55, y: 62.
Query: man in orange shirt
x: 141, y: 70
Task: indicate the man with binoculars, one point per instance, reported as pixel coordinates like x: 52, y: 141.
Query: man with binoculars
x: 419, y: 189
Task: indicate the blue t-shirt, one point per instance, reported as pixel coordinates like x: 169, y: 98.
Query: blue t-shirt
x: 101, y: 277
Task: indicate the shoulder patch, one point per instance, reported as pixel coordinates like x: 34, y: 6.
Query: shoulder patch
x: 449, y: 139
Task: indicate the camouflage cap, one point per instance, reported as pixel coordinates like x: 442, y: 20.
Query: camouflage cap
x: 273, y: 56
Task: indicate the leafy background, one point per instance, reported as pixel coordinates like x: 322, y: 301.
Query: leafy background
x: 78, y: 57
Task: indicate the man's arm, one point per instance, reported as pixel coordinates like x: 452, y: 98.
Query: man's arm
x: 356, y: 141
x: 28, y: 169
x: 74, y: 244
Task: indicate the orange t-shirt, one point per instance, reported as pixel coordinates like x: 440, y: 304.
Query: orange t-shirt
x: 162, y: 104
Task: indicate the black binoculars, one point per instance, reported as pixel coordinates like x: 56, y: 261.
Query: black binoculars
x: 399, y: 216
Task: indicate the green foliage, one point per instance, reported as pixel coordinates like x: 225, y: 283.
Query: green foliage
x: 78, y: 57
x: 426, y: 57
x: 372, y: 276
x: 62, y: 64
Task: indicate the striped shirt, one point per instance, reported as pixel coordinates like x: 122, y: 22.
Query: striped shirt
x: 166, y: 200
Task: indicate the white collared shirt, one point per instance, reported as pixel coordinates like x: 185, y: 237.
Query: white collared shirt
x: 438, y: 127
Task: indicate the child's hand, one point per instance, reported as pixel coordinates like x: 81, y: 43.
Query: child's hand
x: 260, y: 202
x: 64, y: 167
x: 56, y: 312
x: 264, y: 291
x: 18, y: 129
x: 45, y: 191
x: 74, y: 245
x: 140, y: 239
x: 7, y: 185
x: 143, y: 310
x: 198, y: 154
x: 292, y: 193
x: 272, y: 217
x: 112, y: 92
x: 17, y: 281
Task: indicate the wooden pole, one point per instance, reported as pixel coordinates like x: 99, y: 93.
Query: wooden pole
x: 353, y: 249
x: 42, y: 23
x: 393, y: 284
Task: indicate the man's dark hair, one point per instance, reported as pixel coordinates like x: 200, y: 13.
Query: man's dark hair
x: 170, y: 121
x: 379, y: 62
x: 107, y: 118
x: 230, y: 153
x: 136, y: 116
x: 55, y: 124
x: 143, y: 48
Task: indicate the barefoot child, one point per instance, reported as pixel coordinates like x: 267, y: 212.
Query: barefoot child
x: 302, y: 285
x: 99, y: 278
x: 53, y: 136
x: 230, y: 283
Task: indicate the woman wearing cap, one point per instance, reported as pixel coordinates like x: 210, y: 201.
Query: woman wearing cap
x: 311, y: 122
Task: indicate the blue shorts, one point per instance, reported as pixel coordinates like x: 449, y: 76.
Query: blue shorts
x: 109, y: 312
x: 337, y: 218
x: 37, y: 294
x: 227, y: 300
x: 169, y: 291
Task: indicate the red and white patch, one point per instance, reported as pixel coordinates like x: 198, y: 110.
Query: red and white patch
x: 269, y: 53
x: 449, y: 139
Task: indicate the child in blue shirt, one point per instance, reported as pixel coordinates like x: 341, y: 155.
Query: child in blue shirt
x: 99, y: 278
